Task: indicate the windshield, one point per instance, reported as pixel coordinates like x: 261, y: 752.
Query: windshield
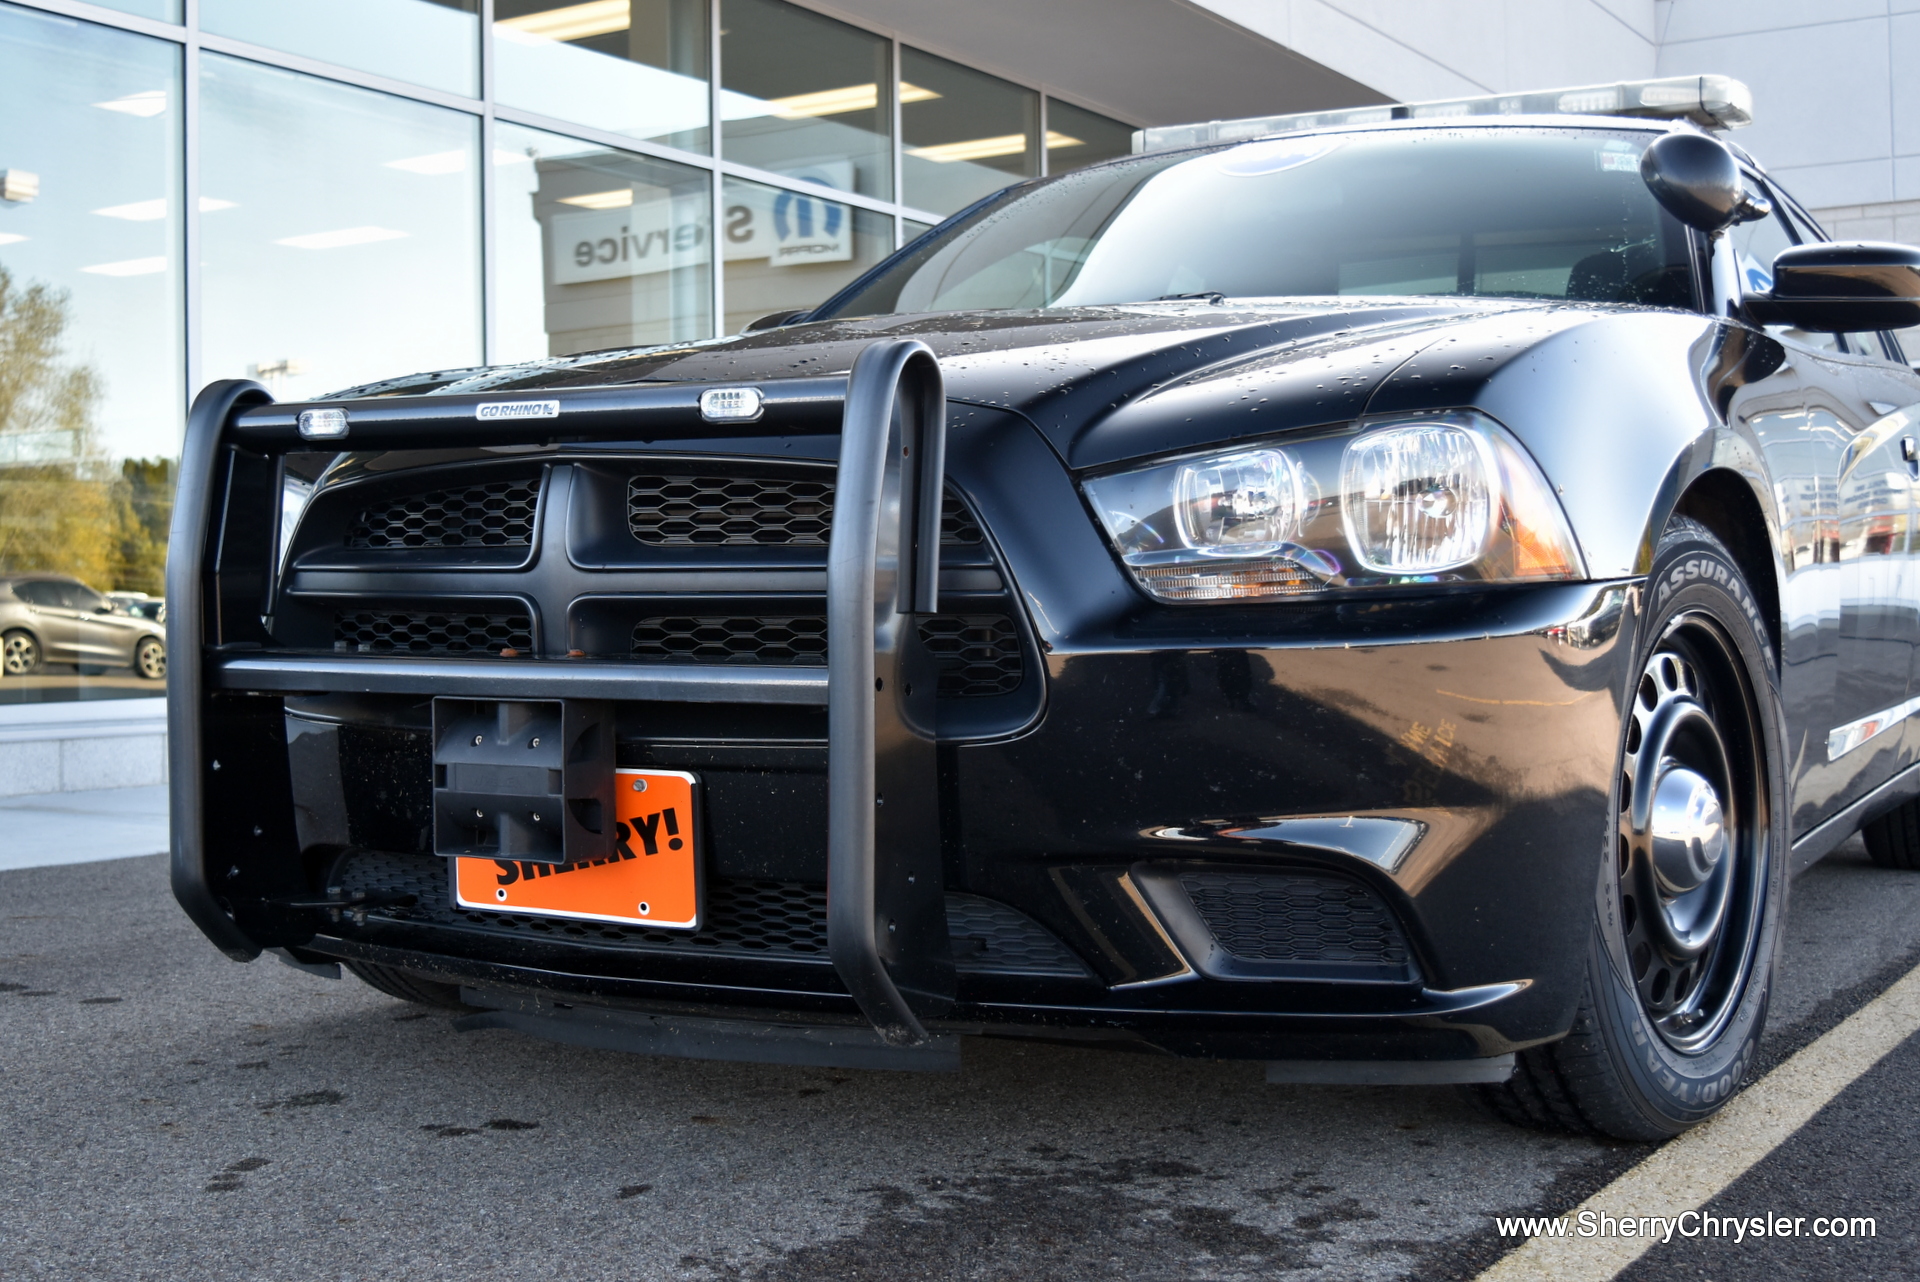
x: 1512, y: 213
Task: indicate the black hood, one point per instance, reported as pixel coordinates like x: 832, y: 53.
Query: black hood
x: 1102, y: 383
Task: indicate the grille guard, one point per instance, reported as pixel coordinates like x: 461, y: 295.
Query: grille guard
x: 887, y: 930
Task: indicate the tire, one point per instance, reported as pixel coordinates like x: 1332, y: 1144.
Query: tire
x: 1893, y: 840
x: 150, y: 659
x: 408, y: 987
x: 20, y: 654
x: 1678, y: 975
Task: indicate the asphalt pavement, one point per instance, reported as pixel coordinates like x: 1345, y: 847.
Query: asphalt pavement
x: 172, y: 1115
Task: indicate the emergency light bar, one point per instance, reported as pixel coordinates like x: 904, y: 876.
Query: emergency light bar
x: 1712, y: 102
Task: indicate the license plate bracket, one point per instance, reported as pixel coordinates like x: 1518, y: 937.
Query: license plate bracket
x: 523, y: 779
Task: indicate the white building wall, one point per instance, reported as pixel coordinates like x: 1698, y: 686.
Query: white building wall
x: 1416, y: 49
x: 1833, y: 121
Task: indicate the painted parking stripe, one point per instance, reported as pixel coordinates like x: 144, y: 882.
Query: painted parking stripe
x: 1689, y: 1171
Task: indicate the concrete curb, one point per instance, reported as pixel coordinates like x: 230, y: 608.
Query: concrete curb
x: 81, y: 746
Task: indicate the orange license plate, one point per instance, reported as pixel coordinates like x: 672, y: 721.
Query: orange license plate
x: 652, y: 878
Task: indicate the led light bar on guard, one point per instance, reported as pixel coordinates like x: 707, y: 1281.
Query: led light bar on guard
x: 323, y: 425
x: 730, y: 404
x: 1712, y: 102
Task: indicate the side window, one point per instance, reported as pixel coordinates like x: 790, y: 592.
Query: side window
x: 82, y: 598
x: 1868, y: 343
x: 39, y: 592
x: 1755, y: 245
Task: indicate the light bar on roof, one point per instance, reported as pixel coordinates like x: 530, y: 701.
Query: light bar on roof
x: 1712, y: 102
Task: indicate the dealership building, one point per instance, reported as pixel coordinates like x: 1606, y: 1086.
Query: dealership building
x: 320, y: 193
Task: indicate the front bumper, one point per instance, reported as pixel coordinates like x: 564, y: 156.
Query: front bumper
x: 1435, y: 773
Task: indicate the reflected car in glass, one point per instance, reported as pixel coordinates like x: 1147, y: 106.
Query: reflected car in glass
x: 50, y: 618
x: 1395, y: 600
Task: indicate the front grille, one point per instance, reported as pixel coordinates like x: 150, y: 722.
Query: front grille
x: 1295, y: 917
x: 978, y: 654
x: 744, y: 917
x: 753, y: 511
x: 421, y: 632
x: 712, y: 638
x: 493, y: 514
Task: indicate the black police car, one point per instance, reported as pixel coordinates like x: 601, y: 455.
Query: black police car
x: 1397, y: 599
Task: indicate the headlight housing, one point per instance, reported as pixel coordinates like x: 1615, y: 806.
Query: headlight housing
x: 1429, y: 499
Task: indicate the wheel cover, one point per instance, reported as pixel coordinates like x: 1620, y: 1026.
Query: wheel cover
x: 20, y: 654
x: 1693, y: 834
x: 151, y: 659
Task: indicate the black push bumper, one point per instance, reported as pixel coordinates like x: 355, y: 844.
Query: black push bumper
x: 1431, y: 773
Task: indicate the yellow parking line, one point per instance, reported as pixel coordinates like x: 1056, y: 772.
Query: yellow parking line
x: 1689, y: 1171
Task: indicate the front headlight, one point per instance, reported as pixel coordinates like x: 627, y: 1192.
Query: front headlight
x: 1441, y: 498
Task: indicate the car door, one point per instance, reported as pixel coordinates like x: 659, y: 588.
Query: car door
x: 50, y: 617
x: 102, y: 634
x: 1871, y: 405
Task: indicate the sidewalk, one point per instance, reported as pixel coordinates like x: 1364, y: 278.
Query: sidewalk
x: 80, y: 827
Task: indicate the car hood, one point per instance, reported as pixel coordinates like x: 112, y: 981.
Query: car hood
x: 1106, y: 384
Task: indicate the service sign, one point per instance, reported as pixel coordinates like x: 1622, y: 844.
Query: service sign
x: 786, y: 228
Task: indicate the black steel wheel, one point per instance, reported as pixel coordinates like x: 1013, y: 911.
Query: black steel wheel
x: 150, y: 659
x: 19, y: 653
x: 1692, y: 891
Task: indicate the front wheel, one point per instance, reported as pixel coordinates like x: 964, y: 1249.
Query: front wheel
x: 19, y: 654
x: 150, y: 659
x: 1692, y: 890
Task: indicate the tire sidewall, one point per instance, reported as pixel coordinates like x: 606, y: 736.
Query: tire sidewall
x: 1693, y: 573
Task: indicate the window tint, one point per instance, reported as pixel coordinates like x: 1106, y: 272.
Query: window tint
x: 39, y: 592
x: 80, y: 597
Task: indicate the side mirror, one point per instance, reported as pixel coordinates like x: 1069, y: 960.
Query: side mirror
x: 1698, y: 181
x: 1842, y: 287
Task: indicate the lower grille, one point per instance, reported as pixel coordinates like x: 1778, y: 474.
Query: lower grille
x: 1295, y: 917
x: 978, y: 655
x: 744, y: 918
x: 710, y: 638
x: 420, y: 632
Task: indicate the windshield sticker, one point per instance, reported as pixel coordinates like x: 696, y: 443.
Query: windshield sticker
x: 1258, y: 159
x: 1619, y: 162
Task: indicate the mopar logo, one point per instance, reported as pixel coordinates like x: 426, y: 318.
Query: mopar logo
x: 795, y: 219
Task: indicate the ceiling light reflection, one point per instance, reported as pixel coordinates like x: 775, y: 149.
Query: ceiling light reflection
x: 341, y: 239
x: 574, y: 22
x: 149, y: 102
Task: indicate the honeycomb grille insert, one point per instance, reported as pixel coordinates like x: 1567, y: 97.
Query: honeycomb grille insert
x: 495, y: 514
x: 786, y: 640
x: 744, y: 918
x: 753, y: 511
x: 978, y: 654
x: 1295, y: 917
x: 421, y: 632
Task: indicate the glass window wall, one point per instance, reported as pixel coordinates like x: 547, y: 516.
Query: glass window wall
x: 91, y: 351
x: 428, y: 42
x: 964, y: 133
x: 1077, y: 137
x: 806, y: 97
x: 786, y: 250
x: 340, y: 232
x: 596, y: 247
x: 635, y: 67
